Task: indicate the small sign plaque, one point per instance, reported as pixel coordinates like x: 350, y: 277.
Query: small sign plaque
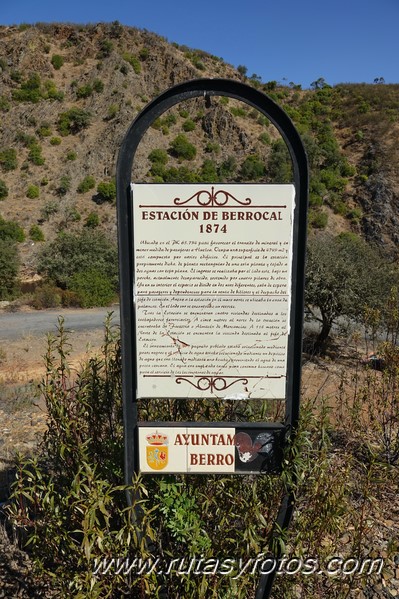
x: 227, y: 449
x: 212, y: 289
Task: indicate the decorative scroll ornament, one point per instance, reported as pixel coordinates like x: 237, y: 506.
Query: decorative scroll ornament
x: 212, y: 198
x: 212, y: 383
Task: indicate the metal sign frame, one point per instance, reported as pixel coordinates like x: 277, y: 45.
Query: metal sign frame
x: 194, y: 89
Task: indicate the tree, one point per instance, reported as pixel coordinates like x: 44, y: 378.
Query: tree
x: 9, y: 267
x: 343, y: 276
x: 71, y: 253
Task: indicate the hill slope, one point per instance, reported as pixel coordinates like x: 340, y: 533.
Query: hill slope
x: 68, y: 94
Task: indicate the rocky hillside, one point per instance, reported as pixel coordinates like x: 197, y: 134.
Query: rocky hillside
x: 68, y: 93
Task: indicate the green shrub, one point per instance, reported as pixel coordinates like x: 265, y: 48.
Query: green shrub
x: 8, y: 159
x: 86, y: 184
x: 33, y: 192
x: 35, y: 233
x: 57, y: 61
x: 182, y: 148
x: 51, y: 92
x: 92, y: 220
x: 71, y: 155
x: 188, y: 125
x: 35, y: 154
x: 64, y: 185
x: 158, y: 156
x: 44, y: 130
x: 252, y: 168
x: 208, y: 172
x: 84, y: 91
x: 3, y: 190
x: 265, y: 138
x: 106, y: 191
x: 98, y: 86
x: 11, y: 231
x: 106, y: 47
x: 133, y: 61
x: 51, y: 207
x: 212, y: 148
x: 4, y: 104
x: 238, y: 111
x: 9, y: 267
x: 71, y: 253
x: 113, y: 110
x: 318, y: 220
x: 92, y: 287
x: 73, y: 121
x: 30, y: 90
x: 55, y: 141
x: 144, y: 53
x: 227, y: 168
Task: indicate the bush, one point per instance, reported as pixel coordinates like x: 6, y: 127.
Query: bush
x: 106, y: 47
x: 86, y: 184
x: 44, y: 130
x: 64, y: 186
x: 51, y: 207
x: 106, y: 191
x: 3, y: 190
x: 73, y: 121
x: 92, y: 287
x: 35, y: 154
x: 35, y: 233
x: 92, y: 220
x: 46, y: 296
x: 84, y: 91
x: 4, y: 104
x: 144, y: 53
x: 158, y: 156
x: 182, y: 148
x: 188, y: 125
x: 98, y: 86
x: 133, y: 61
x: 252, y: 168
x: 57, y: 61
x: 11, y: 231
x: 318, y: 219
x: 55, y: 141
x: 71, y: 155
x: 33, y: 192
x: 112, y: 111
x: 9, y: 268
x: 71, y: 253
x: 8, y: 159
x: 30, y: 90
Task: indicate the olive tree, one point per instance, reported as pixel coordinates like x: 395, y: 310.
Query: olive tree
x: 343, y: 276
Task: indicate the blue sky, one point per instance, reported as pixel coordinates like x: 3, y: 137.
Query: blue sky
x: 286, y: 40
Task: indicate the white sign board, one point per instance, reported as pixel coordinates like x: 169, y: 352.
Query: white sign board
x: 212, y: 289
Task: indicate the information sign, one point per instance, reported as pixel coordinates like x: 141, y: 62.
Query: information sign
x: 212, y: 289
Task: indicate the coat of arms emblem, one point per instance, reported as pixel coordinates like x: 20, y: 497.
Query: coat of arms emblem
x: 157, y: 450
